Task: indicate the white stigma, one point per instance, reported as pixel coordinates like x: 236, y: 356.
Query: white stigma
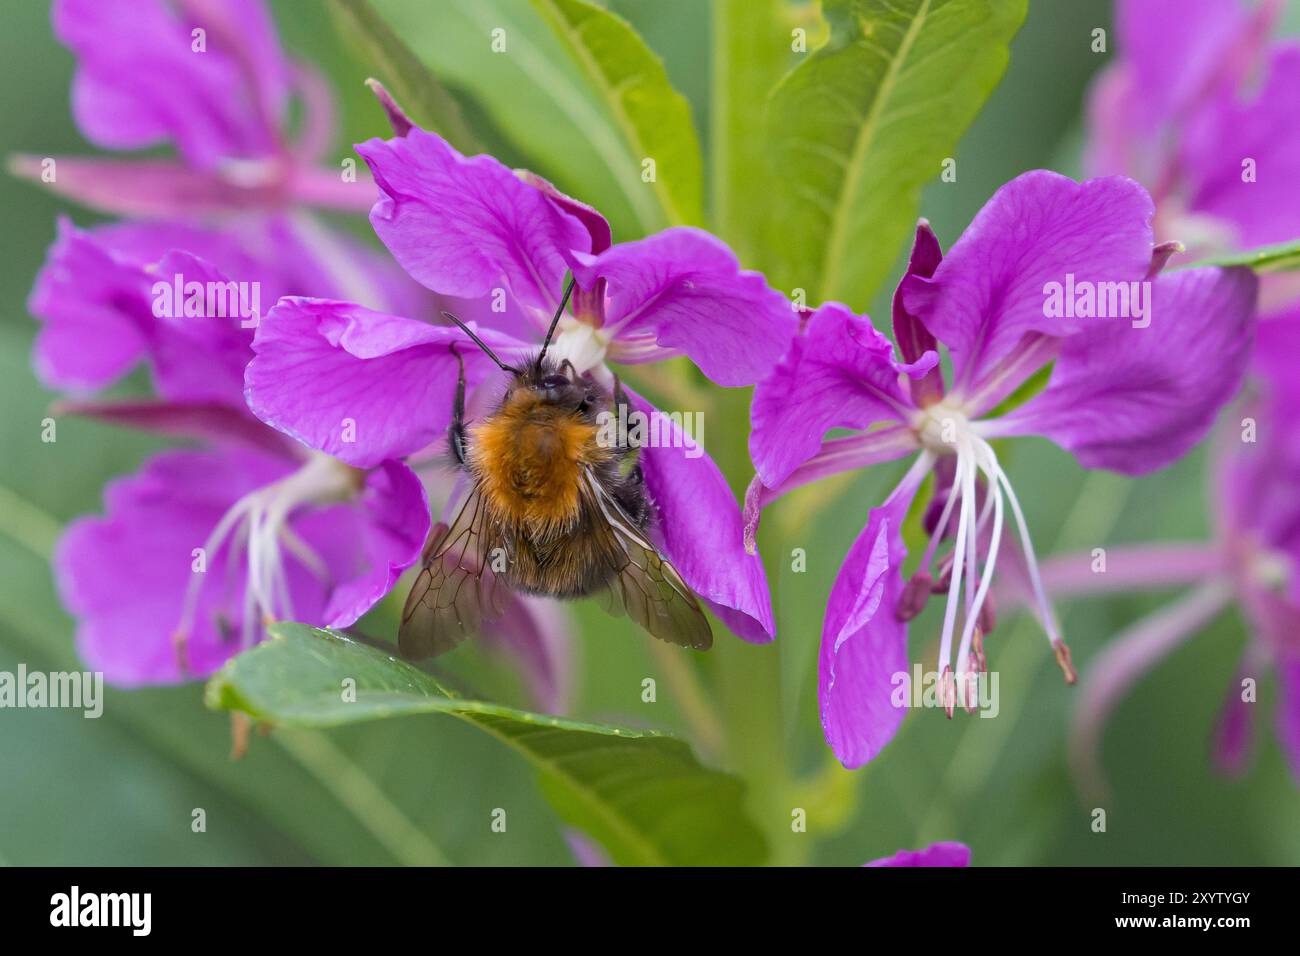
x: 258, y: 525
x: 582, y: 344
x: 945, y: 429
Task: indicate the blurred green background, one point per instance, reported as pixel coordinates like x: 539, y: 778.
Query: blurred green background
x: 121, y: 789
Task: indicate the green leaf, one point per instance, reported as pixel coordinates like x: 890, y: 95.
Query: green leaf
x: 865, y: 122
x: 642, y: 794
x: 653, y: 119
x: 524, y: 81
x: 418, y: 91
x: 751, y: 52
x: 1281, y: 257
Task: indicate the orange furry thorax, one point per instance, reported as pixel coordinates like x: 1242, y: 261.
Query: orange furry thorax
x: 528, y: 459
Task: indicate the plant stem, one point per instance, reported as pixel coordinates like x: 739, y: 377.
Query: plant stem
x: 750, y: 685
x: 691, y: 698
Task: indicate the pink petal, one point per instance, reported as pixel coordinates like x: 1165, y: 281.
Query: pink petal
x: 1136, y: 399
x: 1176, y: 49
x: 97, y: 292
x: 1265, y: 128
x: 213, y: 421
x: 683, y: 291
x: 90, y: 307
x: 989, y: 291
x: 863, y: 643
x: 936, y: 854
x: 361, y: 385
x: 395, y: 523
x: 465, y: 226
x: 139, y: 80
x: 913, y: 338
x: 124, y: 575
x: 840, y: 373
x: 700, y: 526
x: 1234, y: 730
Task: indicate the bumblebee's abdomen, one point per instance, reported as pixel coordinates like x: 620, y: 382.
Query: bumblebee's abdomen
x: 576, y: 568
x: 588, y: 556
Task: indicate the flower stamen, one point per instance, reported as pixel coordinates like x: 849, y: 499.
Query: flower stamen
x: 966, y: 573
x: 257, y: 528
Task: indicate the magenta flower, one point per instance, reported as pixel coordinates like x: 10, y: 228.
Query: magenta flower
x: 200, y: 548
x: 285, y: 532
x: 107, y: 299
x: 1129, y: 393
x: 1200, y: 106
x: 255, y: 527
x: 945, y: 853
x: 209, y: 78
x: 1252, y: 561
x: 470, y: 227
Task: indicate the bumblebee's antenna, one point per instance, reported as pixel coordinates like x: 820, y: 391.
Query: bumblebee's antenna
x: 479, y: 342
x: 564, y: 301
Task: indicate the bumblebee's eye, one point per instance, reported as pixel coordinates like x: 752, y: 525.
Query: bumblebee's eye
x: 555, y: 381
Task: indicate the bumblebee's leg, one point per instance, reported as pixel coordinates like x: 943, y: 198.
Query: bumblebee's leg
x: 621, y: 403
x: 630, y: 491
x: 456, y: 434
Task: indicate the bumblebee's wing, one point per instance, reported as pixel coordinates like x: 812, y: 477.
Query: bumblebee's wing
x: 645, y: 585
x: 456, y: 589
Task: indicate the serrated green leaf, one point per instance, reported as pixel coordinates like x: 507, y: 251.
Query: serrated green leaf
x: 653, y: 119
x: 865, y: 122
x: 1280, y: 257
x: 642, y: 794
x: 418, y: 91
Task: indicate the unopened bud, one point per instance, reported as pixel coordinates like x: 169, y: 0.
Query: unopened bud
x: 915, y: 593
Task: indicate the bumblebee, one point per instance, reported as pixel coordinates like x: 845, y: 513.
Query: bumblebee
x: 550, y: 511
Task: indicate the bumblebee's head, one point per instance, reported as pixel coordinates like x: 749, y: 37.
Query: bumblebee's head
x: 558, y: 384
x: 540, y: 378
